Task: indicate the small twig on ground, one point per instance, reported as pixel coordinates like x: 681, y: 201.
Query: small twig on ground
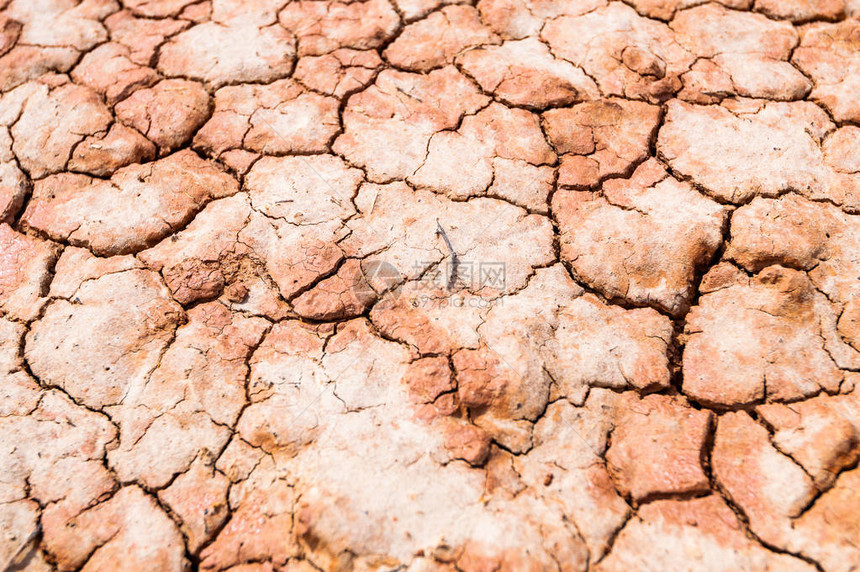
x: 452, y: 279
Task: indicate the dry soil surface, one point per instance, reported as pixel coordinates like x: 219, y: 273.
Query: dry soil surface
x: 423, y: 285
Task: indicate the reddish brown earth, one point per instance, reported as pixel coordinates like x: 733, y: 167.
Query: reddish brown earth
x: 475, y: 286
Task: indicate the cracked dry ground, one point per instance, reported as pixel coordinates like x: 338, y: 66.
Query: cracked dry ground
x: 227, y: 335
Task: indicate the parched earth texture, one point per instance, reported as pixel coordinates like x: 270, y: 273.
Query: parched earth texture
x: 424, y: 285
